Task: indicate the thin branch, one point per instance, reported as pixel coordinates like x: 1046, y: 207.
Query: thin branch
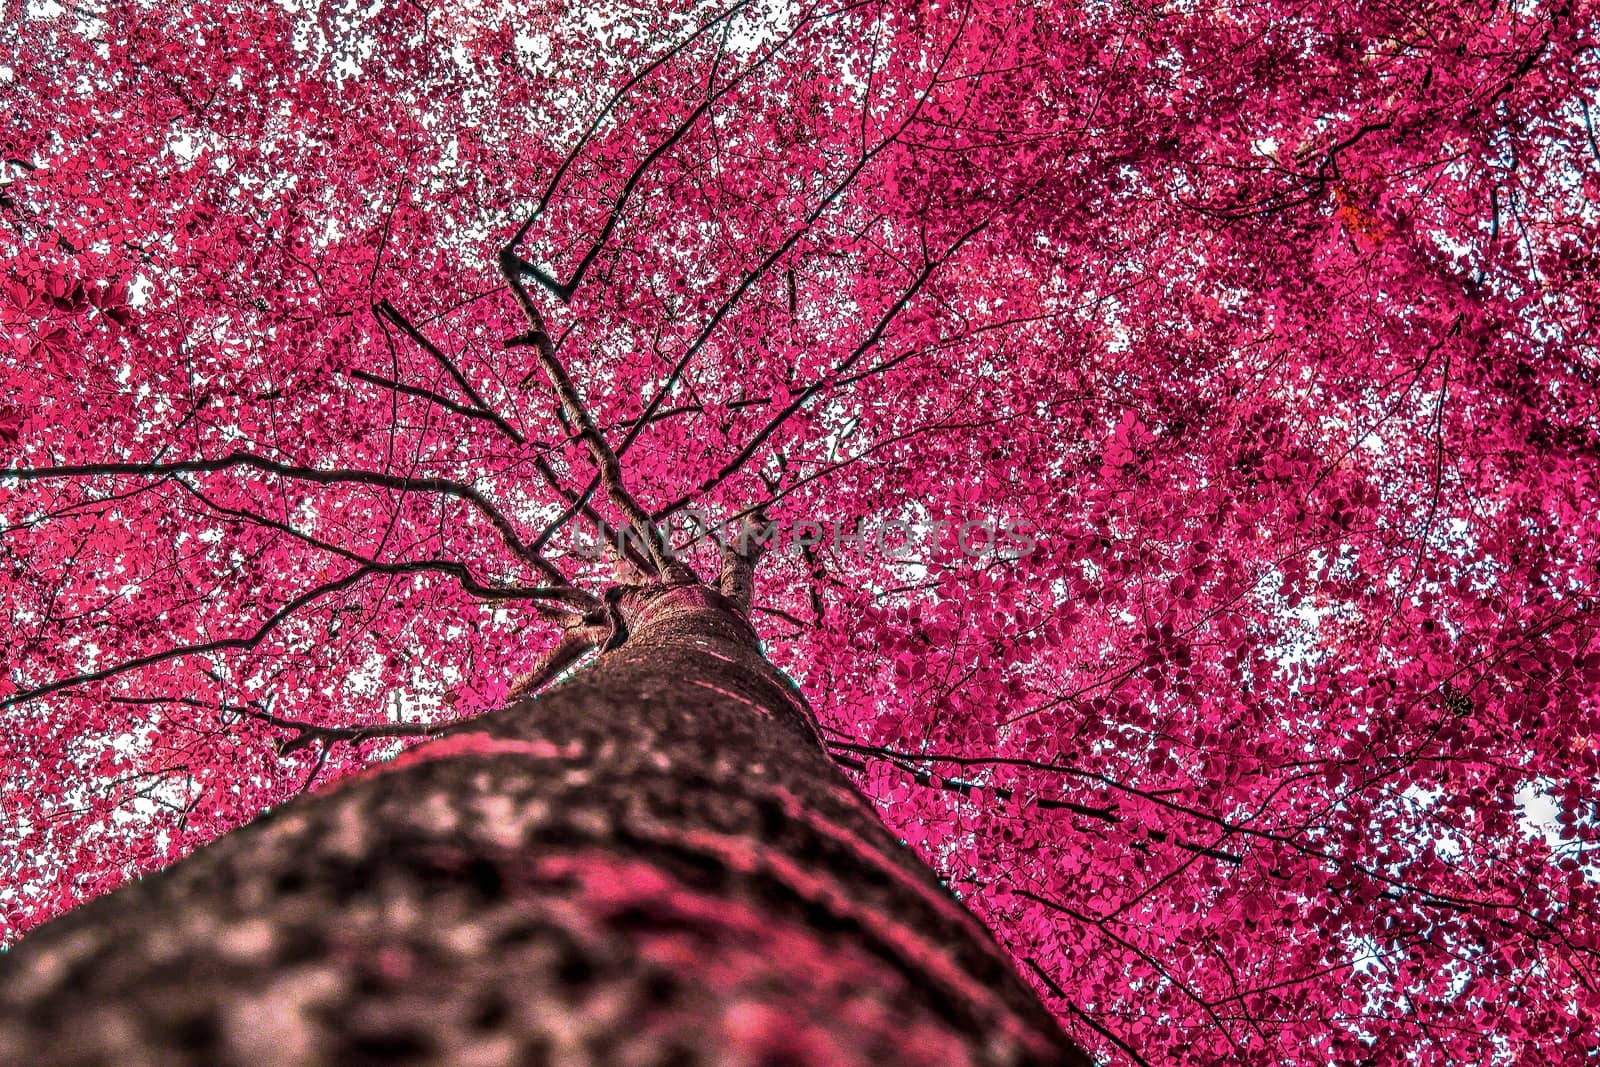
x: 1588, y: 128
x: 1427, y: 897
x: 578, y: 504
x: 605, y: 111
x: 1205, y: 1005
x: 779, y: 613
x: 776, y: 422
x: 459, y: 571
x: 479, y: 408
x: 563, y: 290
x: 605, y: 460
x: 1059, y: 993
x: 388, y: 312
x: 750, y: 277
x: 246, y: 643
x: 433, y: 398
x: 1107, y: 815
x: 320, y: 476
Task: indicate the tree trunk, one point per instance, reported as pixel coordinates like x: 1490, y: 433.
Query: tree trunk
x: 654, y: 863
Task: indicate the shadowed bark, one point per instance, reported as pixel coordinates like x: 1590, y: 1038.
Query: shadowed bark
x: 654, y: 863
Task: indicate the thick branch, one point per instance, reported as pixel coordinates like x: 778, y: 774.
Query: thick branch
x: 737, y: 579
x: 307, y: 733
x: 574, y: 644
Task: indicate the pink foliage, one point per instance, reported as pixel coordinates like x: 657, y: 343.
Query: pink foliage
x: 1275, y: 323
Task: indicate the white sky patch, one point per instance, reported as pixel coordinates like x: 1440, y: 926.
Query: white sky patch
x: 1538, y: 816
x: 746, y: 35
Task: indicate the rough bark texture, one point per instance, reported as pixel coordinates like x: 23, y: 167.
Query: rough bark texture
x: 654, y: 863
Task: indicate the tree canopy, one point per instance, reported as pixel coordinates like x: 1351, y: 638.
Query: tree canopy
x: 1178, y: 420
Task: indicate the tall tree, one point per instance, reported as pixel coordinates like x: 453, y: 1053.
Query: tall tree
x: 1180, y: 422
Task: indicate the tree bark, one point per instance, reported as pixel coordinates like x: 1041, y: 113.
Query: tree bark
x: 654, y: 863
